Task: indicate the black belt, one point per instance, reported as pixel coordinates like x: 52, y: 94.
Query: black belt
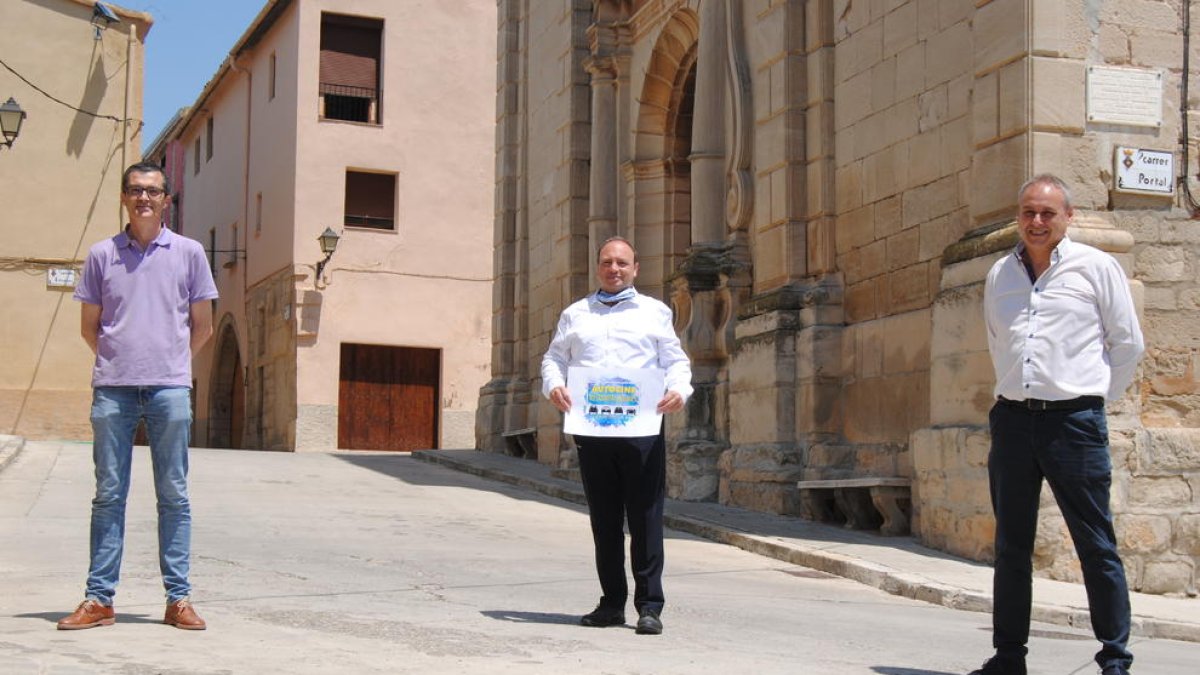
x: 1081, y: 403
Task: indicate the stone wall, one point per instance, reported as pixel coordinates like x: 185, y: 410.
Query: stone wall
x: 1157, y: 486
x: 902, y: 90
x: 542, y: 209
x: 1158, y: 498
x: 284, y: 313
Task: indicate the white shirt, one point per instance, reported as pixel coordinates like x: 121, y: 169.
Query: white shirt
x: 635, y: 333
x: 1074, y: 332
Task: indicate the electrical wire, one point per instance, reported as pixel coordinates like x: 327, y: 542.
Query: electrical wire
x: 43, y: 92
x: 1184, y: 132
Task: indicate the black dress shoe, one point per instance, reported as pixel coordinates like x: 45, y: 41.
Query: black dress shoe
x: 1115, y: 669
x: 603, y: 616
x: 1000, y: 666
x: 648, y: 622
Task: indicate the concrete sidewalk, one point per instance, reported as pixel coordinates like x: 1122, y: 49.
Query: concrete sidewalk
x: 9, y: 447
x: 897, y: 565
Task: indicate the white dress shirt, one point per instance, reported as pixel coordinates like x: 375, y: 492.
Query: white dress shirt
x: 634, y: 333
x: 1074, y: 332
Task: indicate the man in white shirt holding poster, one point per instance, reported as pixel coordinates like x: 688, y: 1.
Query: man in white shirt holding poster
x: 615, y: 329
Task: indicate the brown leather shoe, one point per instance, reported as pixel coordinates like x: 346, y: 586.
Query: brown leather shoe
x: 89, y: 614
x: 181, y: 614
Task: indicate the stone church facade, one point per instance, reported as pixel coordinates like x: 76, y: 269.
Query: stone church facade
x: 818, y: 188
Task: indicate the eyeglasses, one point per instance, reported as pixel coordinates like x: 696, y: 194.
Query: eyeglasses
x: 151, y: 192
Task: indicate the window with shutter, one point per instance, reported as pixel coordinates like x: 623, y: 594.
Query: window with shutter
x: 350, y: 69
x: 371, y: 200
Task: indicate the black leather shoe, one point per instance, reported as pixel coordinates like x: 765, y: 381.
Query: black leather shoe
x: 648, y: 622
x: 1114, y: 669
x: 999, y: 666
x: 603, y: 616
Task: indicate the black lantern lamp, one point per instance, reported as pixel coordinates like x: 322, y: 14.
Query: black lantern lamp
x: 329, y: 241
x: 11, y: 117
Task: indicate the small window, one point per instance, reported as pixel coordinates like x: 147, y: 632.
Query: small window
x: 196, y: 157
x: 261, y: 334
x: 208, y: 134
x: 371, y: 200
x: 271, y: 78
x: 349, y: 71
x: 233, y: 254
x: 176, y: 207
x: 212, y: 250
x: 258, y: 214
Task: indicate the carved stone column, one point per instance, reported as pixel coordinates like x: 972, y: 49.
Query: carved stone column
x: 708, y: 127
x: 602, y: 185
x: 710, y: 285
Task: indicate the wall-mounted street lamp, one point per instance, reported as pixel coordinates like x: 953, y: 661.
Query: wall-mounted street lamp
x: 11, y: 117
x: 329, y: 241
x: 102, y: 18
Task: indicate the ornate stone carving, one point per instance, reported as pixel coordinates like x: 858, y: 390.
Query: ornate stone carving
x: 739, y: 201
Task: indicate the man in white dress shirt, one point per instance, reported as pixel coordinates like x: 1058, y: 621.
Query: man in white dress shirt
x: 616, y: 327
x: 1064, y: 337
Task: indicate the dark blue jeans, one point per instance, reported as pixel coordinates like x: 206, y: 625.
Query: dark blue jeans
x: 626, y: 478
x: 1070, y: 450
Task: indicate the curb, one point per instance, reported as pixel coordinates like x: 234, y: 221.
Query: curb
x: 10, y: 447
x: 884, y: 578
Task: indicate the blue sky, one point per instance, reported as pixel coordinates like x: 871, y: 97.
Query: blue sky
x: 189, y: 40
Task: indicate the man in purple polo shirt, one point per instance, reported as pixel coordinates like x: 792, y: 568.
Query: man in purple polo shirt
x: 146, y: 311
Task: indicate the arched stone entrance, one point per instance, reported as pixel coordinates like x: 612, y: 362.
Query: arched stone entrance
x: 227, y: 392
x: 662, y: 216
x: 701, y: 268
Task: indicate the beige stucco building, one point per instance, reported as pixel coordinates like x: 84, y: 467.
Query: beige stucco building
x: 819, y: 187
x: 60, y: 186
x: 374, y: 119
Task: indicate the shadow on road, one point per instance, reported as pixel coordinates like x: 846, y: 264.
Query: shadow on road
x: 53, y: 617
x: 899, y: 670
x: 414, y: 472
x: 531, y: 617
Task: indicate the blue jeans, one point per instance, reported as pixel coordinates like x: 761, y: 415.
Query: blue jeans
x: 115, y: 415
x: 1070, y: 450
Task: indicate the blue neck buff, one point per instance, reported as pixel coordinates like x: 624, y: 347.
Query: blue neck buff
x: 626, y: 293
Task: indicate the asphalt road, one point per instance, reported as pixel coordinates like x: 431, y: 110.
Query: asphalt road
x: 365, y: 563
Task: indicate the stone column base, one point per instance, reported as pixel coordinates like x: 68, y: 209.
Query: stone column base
x: 761, y: 478
x: 692, y: 470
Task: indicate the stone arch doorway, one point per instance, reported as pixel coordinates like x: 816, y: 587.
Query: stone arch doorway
x: 227, y: 391
x: 662, y: 220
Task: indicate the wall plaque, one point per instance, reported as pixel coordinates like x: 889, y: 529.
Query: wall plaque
x: 1143, y: 171
x: 1131, y: 96
x: 60, y: 277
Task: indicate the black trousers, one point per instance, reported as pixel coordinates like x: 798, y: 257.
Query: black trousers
x: 626, y: 478
x: 1069, y: 449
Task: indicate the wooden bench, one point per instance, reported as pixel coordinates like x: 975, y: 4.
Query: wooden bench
x: 864, y: 503
x: 521, y: 442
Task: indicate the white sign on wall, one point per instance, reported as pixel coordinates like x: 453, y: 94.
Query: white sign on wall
x: 1143, y: 171
x: 60, y: 277
x: 1131, y: 96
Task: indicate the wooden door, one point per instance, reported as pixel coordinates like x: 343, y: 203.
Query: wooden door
x: 388, y: 398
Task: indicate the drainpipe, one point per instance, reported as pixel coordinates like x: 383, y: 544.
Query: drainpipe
x: 125, y: 117
x: 1184, y: 132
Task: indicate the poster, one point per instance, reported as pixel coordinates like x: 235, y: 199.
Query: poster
x: 614, y: 402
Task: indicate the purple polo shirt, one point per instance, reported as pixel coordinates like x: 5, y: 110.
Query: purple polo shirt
x: 145, y: 300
